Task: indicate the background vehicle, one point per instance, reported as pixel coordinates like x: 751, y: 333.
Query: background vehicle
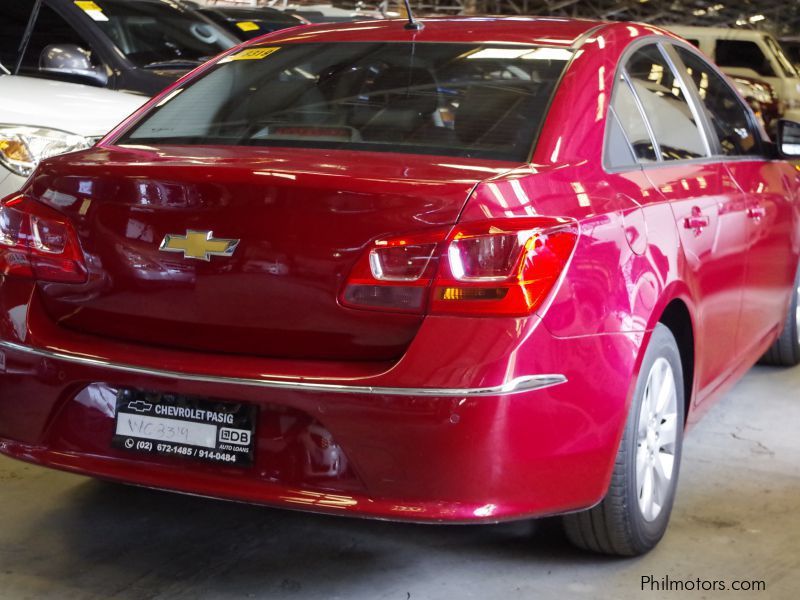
x: 247, y: 23
x: 761, y: 98
x: 750, y: 53
x: 791, y: 45
x: 404, y: 279
x: 41, y: 118
x: 128, y: 45
x: 326, y: 13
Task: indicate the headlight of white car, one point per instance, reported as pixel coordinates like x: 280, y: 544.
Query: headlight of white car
x: 22, y: 147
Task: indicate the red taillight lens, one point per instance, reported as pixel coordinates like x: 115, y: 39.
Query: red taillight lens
x: 38, y: 242
x: 505, y: 267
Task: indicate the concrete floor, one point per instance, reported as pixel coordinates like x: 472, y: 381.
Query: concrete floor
x: 736, y: 517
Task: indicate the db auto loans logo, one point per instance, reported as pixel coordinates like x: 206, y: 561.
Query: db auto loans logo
x: 234, y: 436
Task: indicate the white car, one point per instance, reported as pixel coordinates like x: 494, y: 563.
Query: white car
x: 40, y: 118
x: 750, y: 53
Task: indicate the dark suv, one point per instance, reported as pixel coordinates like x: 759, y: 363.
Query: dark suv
x: 131, y: 45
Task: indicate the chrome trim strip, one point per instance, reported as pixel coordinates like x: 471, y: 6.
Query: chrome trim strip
x: 518, y: 385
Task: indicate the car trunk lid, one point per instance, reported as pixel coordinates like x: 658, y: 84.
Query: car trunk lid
x: 296, y: 221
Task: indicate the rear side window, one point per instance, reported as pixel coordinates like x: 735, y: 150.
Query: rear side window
x: 729, y: 118
x: 661, y: 94
x: 626, y: 120
x: 743, y: 54
x: 618, y: 151
x: 432, y: 98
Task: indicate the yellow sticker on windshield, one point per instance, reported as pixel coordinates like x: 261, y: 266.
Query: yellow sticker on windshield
x: 254, y: 53
x: 91, y: 9
x: 87, y: 5
x: 248, y: 26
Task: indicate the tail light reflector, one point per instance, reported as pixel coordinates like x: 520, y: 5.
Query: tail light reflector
x: 39, y: 243
x: 504, y: 267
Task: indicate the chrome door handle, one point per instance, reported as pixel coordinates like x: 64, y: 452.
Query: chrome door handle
x: 697, y: 222
x: 757, y: 212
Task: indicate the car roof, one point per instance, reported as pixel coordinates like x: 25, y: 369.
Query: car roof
x: 512, y: 30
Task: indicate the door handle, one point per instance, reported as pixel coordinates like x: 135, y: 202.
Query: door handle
x: 697, y: 221
x: 757, y: 212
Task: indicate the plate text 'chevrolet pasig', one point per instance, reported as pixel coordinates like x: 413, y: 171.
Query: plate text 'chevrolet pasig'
x: 407, y: 274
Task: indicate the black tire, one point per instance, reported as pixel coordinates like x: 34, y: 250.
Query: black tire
x: 617, y: 525
x: 785, y: 352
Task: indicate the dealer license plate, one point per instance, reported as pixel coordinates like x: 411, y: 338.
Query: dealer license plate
x: 185, y: 426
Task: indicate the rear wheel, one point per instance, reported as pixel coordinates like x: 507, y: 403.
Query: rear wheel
x: 785, y: 352
x: 633, y: 516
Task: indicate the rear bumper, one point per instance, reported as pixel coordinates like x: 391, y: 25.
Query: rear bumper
x: 326, y: 500
x: 524, y: 383
x: 470, y: 425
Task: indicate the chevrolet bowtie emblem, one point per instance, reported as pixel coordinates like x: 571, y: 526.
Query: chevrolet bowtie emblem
x: 198, y: 244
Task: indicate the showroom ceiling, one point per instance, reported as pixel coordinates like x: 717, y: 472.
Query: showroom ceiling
x: 783, y: 17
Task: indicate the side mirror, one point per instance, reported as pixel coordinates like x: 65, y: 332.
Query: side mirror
x: 73, y: 61
x: 788, y: 139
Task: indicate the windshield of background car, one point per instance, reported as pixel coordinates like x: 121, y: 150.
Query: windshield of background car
x: 468, y: 100
x: 155, y: 34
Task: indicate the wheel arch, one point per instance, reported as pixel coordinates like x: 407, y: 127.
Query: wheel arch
x: 677, y: 317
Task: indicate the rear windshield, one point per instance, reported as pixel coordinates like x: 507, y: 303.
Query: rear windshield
x: 468, y: 100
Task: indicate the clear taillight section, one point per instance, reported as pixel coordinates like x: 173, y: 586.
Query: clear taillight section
x: 400, y: 262
x: 395, y: 273
x: 491, y: 257
x: 504, y: 267
x: 37, y: 242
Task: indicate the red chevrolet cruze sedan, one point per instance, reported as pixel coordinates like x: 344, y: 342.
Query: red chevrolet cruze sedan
x: 483, y: 270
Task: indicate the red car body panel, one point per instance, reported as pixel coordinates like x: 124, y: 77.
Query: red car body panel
x: 285, y: 282
x: 362, y: 445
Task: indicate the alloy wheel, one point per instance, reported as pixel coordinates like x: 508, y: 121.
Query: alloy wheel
x: 797, y: 313
x: 656, y: 439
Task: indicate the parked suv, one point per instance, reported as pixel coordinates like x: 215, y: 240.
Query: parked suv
x: 128, y: 45
x: 753, y: 54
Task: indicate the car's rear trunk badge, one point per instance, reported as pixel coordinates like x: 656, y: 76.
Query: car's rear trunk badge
x: 200, y: 245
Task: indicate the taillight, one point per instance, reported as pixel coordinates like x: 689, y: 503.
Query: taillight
x: 505, y: 267
x: 395, y: 273
x: 38, y: 242
x: 502, y: 268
